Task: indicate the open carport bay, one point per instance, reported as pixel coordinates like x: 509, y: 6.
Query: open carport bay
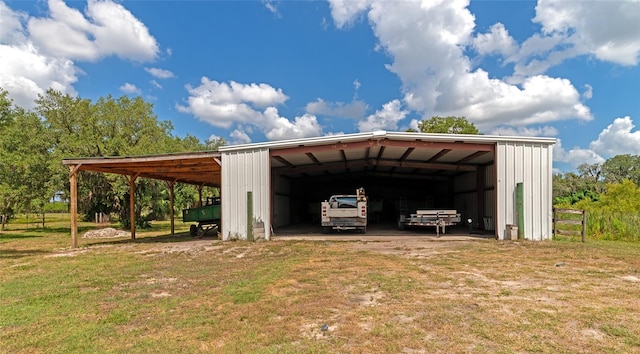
x: 396, y: 175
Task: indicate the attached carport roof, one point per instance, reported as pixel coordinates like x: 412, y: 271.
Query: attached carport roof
x: 197, y: 168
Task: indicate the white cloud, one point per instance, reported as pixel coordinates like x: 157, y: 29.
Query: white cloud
x: 354, y: 109
x: 607, y: 29
x: 107, y: 29
x: 588, y: 93
x: 11, y: 30
x: 356, y: 84
x: 525, y: 131
x: 37, y: 53
x: 281, y: 128
x: 129, y: 88
x: 271, y: 6
x: 227, y: 104
x: 223, y: 104
x: 346, y: 12
x: 155, y: 84
x: 497, y: 41
x: 427, y: 42
x: 159, y: 73
x: 25, y: 73
x: 575, y: 156
x: 617, y: 139
x: 385, y: 119
x: 239, y: 137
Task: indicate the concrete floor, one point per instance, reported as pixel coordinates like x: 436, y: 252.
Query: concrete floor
x: 381, y: 232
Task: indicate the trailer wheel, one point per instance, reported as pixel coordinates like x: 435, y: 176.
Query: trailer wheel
x: 326, y: 229
x: 193, y: 230
x: 363, y: 230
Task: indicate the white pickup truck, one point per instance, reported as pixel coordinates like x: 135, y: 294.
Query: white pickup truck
x: 345, y: 212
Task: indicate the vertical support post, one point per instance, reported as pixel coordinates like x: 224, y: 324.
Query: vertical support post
x: 132, y: 204
x: 200, y: 195
x: 555, y: 223
x: 250, y: 216
x: 73, y: 182
x: 480, y: 184
x: 520, y: 209
x: 171, y: 203
x: 584, y: 225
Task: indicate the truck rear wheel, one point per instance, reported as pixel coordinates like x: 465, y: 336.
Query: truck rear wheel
x: 326, y: 229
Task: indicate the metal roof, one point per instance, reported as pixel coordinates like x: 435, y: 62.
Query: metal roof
x: 198, y: 168
x: 381, y: 134
x: 381, y: 153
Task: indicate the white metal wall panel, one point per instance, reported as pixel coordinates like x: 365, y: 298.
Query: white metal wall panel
x: 530, y: 164
x: 245, y: 171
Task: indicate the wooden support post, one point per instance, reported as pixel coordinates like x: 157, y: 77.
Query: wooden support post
x: 132, y: 204
x: 171, y: 184
x: 584, y: 225
x: 200, y: 194
x: 73, y: 199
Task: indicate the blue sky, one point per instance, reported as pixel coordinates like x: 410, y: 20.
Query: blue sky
x: 253, y: 71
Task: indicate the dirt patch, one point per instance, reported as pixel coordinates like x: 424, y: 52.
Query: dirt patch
x: 408, y: 247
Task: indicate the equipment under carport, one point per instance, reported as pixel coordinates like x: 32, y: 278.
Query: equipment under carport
x: 207, y: 217
x: 438, y: 218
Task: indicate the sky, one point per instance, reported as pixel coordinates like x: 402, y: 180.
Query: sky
x: 255, y: 71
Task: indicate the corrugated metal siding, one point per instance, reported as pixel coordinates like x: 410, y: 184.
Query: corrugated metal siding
x: 245, y: 171
x: 530, y: 164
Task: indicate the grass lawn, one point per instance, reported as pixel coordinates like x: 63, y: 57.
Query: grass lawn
x: 176, y: 294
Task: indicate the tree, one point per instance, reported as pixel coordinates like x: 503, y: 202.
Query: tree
x: 26, y: 163
x: 448, y: 125
x: 621, y: 167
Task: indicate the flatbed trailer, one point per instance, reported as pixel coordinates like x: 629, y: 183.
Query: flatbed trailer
x: 207, y: 217
x: 434, y: 217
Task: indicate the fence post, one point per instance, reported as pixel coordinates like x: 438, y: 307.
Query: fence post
x: 555, y: 220
x: 584, y: 225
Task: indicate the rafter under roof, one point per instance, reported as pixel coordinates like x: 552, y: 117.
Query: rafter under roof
x: 198, y: 168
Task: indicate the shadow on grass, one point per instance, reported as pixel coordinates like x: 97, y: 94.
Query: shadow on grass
x: 4, y: 237
x: 62, y: 230
x: 14, y: 253
x: 179, y: 237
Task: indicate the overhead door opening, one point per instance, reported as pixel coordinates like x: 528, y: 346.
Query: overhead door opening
x: 398, y: 176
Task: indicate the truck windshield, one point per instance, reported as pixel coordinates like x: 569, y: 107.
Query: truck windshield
x: 346, y: 202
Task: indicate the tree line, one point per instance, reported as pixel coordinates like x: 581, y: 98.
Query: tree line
x: 33, y: 143
x: 610, y: 194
